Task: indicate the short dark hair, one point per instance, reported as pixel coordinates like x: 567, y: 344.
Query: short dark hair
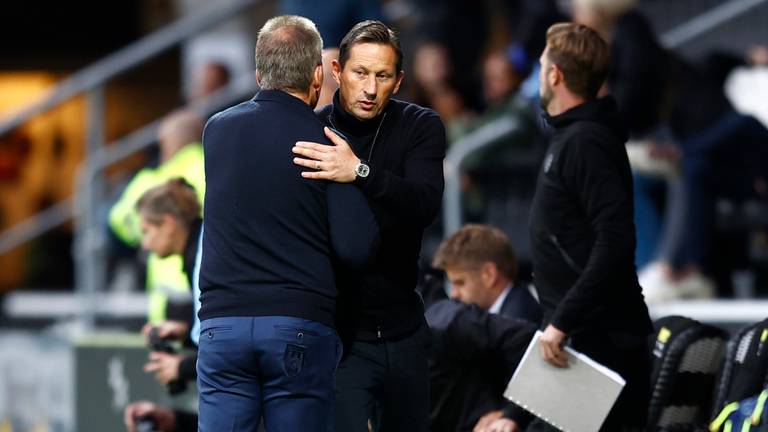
x: 581, y: 54
x: 473, y: 245
x: 370, y: 31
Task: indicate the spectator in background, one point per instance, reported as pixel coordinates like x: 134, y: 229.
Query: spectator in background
x: 181, y: 155
x: 528, y: 21
x: 329, y: 84
x: 170, y: 224
x: 481, y: 267
x: 210, y: 78
x: 638, y: 82
x: 333, y: 17
x: 462, y: 28
x: 434, y: 87
x: 507, y: 156
x: 500, y: 79
x: 724, y: 153
x: 432, y: 71
x: 480, y: 336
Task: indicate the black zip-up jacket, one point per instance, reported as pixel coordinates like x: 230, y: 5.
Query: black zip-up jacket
x: 582, y: 228
x: 405, y: 190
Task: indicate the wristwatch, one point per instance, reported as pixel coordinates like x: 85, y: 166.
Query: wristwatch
x: 362, y: 170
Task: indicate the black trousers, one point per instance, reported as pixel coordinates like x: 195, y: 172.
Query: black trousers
x: 386, y: 382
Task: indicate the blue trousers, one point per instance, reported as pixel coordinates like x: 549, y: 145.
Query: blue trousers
x: 282, y: 368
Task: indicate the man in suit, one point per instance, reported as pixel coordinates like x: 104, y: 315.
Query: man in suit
x: 481, y: 267
x: 478, y: 337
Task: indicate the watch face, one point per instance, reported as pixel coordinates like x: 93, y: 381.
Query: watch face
x: 362, y: 170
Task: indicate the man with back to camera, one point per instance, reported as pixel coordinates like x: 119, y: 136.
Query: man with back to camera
x: 268, y: 346
x: 393, y: 152
x: 582, y: 229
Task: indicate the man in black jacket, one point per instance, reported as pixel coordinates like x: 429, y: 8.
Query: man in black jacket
x: 393, y: 151
x: 268, y: 295
x: 582, y: 231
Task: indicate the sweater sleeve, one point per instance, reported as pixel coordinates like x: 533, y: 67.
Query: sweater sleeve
x: 597, y: 182
x: 414, y: 197
x: 353, y: 228
x: 188, y: 368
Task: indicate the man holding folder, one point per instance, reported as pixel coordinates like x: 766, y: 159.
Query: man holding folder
x: 582, y: 229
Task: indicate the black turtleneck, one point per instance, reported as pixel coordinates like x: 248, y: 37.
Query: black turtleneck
x: 582, y: 228
x: 404, y: 189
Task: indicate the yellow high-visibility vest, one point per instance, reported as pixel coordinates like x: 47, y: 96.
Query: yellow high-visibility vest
x: 165, y: 276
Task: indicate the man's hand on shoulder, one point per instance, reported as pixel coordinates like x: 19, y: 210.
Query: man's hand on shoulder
x: 552, y: 351
x: 336, y: 162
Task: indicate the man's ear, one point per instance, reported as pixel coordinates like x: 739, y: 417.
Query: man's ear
x: 317, y: 78
x: 400, y: 77
x: 168, y: 222
x: 488, y: 272
x: 336, y: 70
x: 555, y: 75
x: 258, y: 78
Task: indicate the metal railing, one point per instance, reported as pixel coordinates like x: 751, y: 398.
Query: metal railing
x: 90, y: 239
x: 479, y: 139
x: 707, y: 21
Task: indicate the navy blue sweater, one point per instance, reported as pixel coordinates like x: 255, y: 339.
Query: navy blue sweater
x: 270, y: 235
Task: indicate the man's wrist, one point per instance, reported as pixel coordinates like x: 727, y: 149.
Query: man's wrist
x: 361, y: 170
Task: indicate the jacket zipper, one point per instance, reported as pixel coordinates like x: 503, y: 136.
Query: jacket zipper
x: 568, y: 260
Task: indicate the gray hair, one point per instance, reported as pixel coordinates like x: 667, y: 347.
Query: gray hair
x: 288, y: 50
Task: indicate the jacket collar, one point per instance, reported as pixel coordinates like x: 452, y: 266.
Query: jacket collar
x: 602, y: 110
x: 282, y: 97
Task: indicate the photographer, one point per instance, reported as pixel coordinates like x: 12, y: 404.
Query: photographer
x: 170, y: 224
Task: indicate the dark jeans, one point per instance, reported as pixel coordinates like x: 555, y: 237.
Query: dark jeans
x: 386, y: 382
x: 280, y: 367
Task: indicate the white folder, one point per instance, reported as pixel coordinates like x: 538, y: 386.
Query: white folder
x: 573, y: 399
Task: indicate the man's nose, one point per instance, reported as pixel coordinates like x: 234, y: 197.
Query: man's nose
x: 370, y: 87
